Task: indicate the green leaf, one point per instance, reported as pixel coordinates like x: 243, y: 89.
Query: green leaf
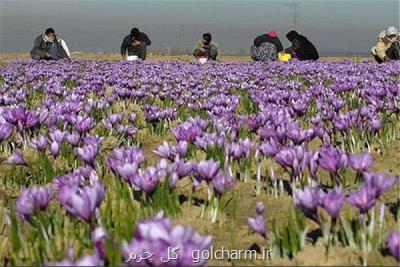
x: 15, y: 237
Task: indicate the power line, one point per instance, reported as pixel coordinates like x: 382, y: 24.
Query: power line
x: 295, y: 7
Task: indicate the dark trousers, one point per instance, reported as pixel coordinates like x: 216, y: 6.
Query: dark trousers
x: 393, y: 51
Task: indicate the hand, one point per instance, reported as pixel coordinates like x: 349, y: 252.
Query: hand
x: 47, y: 55
x: 136, y: 43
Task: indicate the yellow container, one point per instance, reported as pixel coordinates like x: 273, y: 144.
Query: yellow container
x: 284, y: 56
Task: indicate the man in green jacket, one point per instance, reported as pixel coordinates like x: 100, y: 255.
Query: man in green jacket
x: 205, y: 48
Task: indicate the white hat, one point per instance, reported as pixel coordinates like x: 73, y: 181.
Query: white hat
x: 391, y: 31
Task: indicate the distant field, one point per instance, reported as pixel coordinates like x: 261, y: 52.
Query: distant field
x: 116, y: 56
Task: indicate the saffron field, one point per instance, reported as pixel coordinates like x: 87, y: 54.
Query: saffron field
x: 115, y: 163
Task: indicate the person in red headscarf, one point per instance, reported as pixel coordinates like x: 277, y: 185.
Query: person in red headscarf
x: 266, y: 47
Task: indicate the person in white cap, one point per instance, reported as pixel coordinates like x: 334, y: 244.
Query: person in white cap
x: 388, y: 45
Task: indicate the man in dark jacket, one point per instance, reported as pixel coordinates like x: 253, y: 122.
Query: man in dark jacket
x: 136, y: 44
x: 47, y: 46
x: 301, y: 46
x: 266, y: 47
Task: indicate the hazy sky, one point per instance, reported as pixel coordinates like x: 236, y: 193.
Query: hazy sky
x: 99, y: 25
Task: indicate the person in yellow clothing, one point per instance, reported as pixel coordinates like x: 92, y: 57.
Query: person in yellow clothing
x: 388, y: 45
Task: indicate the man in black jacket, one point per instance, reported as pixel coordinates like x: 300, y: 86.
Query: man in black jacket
x: 301, y: 46
x: 47, y: 46
x: 135, y: 43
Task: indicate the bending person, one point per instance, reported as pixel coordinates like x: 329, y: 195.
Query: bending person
x: 205, y: 48
x: 388, y: 46
x: 266, y: 47
x: 49, y: 47
x: 135, y: 44
x: 301, y: 47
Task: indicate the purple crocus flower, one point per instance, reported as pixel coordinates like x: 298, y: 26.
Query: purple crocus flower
x: 125, y: 162
x: 181, y: 148
x: 147, y: 180
x: 33, y: 199
x: 93, y: 140
x: 88, y: 173
x: 165, y: 151
x: 40, y: 143
x: 331, y: 159
x: 98, y: 236
x: 54, y: 148
x: 361, y: 162
x: 210, y: 141
x: 187, y: 131
x: 168, y: 151
x: 379, y: 181
x: 158, y: 236
x: 16, y: 158
x: 116, y: 118
x: 83, y: 125
x: 270, y: 148
x: 313, y: 163
x: 25, y: 204
x: 126, y: 129
x: 6, y: 131
x: 364, y: 199
x: 181, y: 168
x: 260, y: 208
x: 88, y: 154
x: 58, y: 136
x: 295, y: 158
x: 285, y: 157
x: 207, y: 169
x: 393, y: 241
x: 375, y: 123
x: 9, y: 115
x: 107, y: 123
x: 258, y: 223
x: 129, y: 154
x: 308, y: 201
x: 73, y: 138
x: 333, y: 201
x: 42, y: 196
x: 241, y: 149
x: 23, y: 119
x: 223, y: 182
x: 127, y: 170
x: 82, y: 201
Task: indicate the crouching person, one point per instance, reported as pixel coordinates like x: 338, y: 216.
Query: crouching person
x: 135, y: 44
x: 388, y: 46
x: 205, y: 48
x: 48, y: 46
x: 301, y: 47
x: 266, y: 47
